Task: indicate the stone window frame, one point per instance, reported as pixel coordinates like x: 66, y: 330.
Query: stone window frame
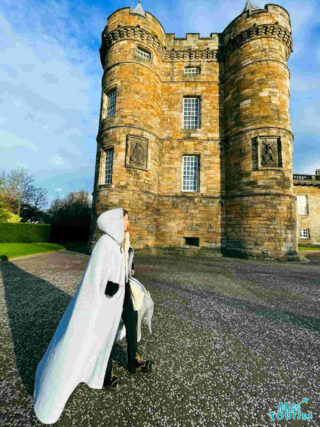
x: 105, y: 101
x: 103, y: 165
x: 197, y: 155
x: 256, y: 153
x: 199, y: 97
x: 306, y: 231
x: 190, y: 67
x: 306, y: 212
x: 145, y: 50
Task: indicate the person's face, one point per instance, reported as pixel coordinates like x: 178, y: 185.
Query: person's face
x: 125, y: 222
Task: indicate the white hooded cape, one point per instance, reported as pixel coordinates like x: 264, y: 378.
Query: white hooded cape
x: 81, y: 345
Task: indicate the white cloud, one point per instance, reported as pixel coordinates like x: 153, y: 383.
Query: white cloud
x: 21, y: 164
x: 56, y: 160
x: 58, y: 190
x: 10, y: 140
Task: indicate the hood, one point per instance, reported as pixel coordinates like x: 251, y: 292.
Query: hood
x: 111, y: 223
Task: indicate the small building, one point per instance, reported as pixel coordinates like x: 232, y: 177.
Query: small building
x: 307, y: 190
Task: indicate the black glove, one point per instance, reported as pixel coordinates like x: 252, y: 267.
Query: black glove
x: 111, y: 288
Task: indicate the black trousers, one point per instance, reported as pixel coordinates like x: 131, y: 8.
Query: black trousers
x: 129, y: 317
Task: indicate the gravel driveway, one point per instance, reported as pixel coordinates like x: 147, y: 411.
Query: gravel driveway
x: 231, y: 339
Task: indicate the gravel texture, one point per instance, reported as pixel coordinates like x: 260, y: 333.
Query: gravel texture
x: 231, y: 339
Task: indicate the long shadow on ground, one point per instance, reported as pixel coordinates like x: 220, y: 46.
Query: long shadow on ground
x: 35, y: 308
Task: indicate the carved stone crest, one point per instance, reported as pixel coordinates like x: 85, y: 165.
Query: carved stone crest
x: 137, y: 152
x: 266, y: 152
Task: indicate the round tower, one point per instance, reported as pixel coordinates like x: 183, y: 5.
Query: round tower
x: 260, y: 205
x: 127, y: 159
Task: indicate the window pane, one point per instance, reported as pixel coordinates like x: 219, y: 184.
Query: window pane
x: 108, y: 166
x: 143, y: 53
x: 304, y: 233
x: 190, y: 173
x: 111, y: 103
x: 191, y: 113
x: 192, y: 70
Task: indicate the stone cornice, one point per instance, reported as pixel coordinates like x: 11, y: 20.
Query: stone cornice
x: 205, y: 55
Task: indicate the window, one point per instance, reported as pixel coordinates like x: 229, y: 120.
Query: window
x: 111, y: 107
x: 190, y: 173
x: 143, y: 53
x: 304, y: 233
x: 192, y: 241
x: 302, y: 205
x: 106, y: 164
x: 191, y: 70
x: 191, y: 107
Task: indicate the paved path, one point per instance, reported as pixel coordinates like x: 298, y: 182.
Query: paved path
x: 231, y: 339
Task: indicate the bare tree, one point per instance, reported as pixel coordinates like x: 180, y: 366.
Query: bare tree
x: 39, y: 198
x: 4, y: 214
x: 19, y: 189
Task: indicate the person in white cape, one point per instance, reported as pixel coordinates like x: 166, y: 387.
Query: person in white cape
x: 96, y: 317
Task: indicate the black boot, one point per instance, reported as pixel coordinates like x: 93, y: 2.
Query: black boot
x: 141, y: 364
x: 112, y: 383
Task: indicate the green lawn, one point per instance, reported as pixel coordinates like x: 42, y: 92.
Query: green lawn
x: 309, y: 248
x: 12, y: 250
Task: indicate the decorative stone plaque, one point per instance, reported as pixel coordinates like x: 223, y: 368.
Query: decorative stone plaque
x: 137, y: 152
x: 266, y: 152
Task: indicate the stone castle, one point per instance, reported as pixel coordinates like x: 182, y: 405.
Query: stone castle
x: 195, y: 138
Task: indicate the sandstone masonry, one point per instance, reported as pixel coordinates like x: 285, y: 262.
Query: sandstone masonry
x: 244, y: 202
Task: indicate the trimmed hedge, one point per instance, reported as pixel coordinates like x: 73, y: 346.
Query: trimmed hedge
x: 24, y: 232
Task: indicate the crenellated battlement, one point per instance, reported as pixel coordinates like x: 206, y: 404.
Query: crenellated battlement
x: 258, y: 31
x: 271, y: 21
x: 192, y: 38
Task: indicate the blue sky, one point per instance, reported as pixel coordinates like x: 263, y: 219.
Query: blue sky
x: 50, y: 77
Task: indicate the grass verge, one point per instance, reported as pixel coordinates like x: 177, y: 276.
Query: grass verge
x: 13, y: 250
